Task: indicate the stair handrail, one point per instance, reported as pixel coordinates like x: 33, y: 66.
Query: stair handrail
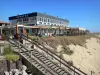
x: 55, y: 57
x: 24, y: 51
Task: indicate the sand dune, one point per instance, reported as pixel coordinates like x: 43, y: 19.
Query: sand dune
x: 86, y: 58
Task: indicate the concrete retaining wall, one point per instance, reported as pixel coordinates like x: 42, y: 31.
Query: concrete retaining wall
x: 33, y: 68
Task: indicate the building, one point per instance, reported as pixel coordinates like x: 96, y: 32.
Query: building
x: 77, y: 31
x: 2, y: 23
x: 40, y: 24
x: 36, y: 19
x: 4, y: 28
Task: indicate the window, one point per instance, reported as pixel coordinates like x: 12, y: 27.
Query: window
x: 48, y: 23
x: 40, y: 19
x: 48, y: 20
x: 25, y: 19
x: 45, y: 19
x: 40, y: 22
x: 32, y: 18
x: 51, y: 24
x: 44, y: 23
x: 20, y: 20
x: 5, y: 24
x: 0, y: 24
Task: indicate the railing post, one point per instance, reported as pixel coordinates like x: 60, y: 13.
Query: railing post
x: 60, y: 59
x: 45, y: 69
x: 0, y: 50
x: 74, y: 70
x: 47, y: 53
x: 91, y: 72
x: 19, y: 46
x: 25, y: 42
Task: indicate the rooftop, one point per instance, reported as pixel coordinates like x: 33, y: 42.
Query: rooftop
x: 4, y: 22
x: 35, y: 14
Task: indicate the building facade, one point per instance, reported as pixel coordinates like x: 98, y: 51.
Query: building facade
x: 40, y: 24
x: 35, y: 18
x: 5, y: 28
x: 2, y: 23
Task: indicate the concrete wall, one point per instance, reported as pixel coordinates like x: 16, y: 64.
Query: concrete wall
x: 3, y: 66
x: 33, y: 68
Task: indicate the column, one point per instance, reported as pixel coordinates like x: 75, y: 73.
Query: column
x: 1, y: 30
x: 30, y: 31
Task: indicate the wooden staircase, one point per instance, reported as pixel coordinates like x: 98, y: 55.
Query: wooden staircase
x: 42, y: 62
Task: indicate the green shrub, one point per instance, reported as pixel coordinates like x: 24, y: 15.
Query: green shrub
x: 7, y: 50
x: 9, y: 55
x: 12, y: 57
x: 34, y: 37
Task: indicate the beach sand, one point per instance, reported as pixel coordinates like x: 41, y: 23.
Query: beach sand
x: 85, y: 58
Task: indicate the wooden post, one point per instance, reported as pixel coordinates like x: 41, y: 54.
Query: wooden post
x: 74, y: 70
x: 19, y: 46
x: 91, y: 72
x: 60, y: 61
x: 1, y: 30
x: 17, y: 31
x: 0, y: 50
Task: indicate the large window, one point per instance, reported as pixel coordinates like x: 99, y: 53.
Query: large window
x: 40, y: 22
x: 32, y: 18
x: 44, y: 23
x: 20, y: 20
x: 25, y: 19
x: 48, y: 20
x: 40, y: 19
x: 45, y: 20
x: 0, y: 24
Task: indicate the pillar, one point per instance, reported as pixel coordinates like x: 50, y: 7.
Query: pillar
x: 30, y: 31
x: 1, y: 30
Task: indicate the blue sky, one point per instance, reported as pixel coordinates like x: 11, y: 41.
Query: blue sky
x: 80, y: 13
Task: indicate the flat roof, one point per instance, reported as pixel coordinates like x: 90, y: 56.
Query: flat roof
x: 4, y: 22
x: 37, y: 14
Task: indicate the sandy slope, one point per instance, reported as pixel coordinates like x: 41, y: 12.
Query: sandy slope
x: 86, y: 58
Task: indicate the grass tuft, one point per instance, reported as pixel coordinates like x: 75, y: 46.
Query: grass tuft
x: 67, y: 40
